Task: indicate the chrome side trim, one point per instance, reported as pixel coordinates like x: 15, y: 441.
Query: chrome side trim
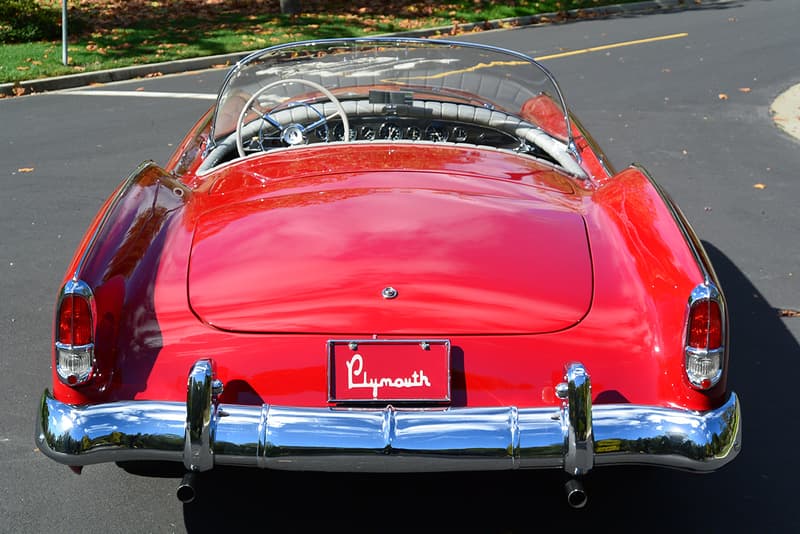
x: 388, y: 439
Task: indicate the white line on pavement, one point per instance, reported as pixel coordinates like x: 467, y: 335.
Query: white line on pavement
x: 142, y: 94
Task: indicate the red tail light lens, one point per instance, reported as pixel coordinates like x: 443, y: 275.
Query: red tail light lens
x: 75, y: 321
x: 705, y: 325
x: 74, y: 343
x: 704, y: 350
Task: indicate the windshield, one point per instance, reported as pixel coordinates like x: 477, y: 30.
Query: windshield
x: 396, y: 72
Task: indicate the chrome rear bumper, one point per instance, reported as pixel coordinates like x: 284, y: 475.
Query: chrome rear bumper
x: 576, y: 437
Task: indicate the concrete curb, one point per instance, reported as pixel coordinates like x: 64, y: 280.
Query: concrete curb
x: 116, y: 75
x: 785, y: 111
x: 186, y: 65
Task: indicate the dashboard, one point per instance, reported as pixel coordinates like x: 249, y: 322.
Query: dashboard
x: 412, y: 129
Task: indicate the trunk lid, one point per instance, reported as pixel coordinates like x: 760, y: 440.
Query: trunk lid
x: 461, y: 260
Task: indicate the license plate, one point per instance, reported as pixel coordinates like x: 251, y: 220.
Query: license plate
x: 388, y: 370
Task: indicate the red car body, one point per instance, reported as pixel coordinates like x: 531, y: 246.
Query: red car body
x: 391, y: 304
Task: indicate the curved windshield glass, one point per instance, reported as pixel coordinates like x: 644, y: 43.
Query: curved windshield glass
x: 396, y: 72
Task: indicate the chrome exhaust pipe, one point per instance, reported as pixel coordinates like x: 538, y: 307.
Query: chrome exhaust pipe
x: 576, y: 495
x: 186, y: 491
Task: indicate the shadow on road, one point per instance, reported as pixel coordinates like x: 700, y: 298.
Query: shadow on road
x: 752, y: 493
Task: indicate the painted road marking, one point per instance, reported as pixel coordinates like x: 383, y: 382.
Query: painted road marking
x: 204, y: 96
x: 145, y: 94
x: 614, y: 45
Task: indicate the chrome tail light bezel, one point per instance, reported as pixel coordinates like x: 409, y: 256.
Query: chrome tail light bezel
x: 83, y: 354
x: 715, y: 357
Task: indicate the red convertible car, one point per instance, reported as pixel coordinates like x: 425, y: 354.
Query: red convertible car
x: 390, y: 255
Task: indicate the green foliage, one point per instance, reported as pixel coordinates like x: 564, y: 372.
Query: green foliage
x: 109, y: 34
x: 25, y: 21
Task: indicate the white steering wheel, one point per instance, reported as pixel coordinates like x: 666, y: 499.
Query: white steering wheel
x: 293, y: 133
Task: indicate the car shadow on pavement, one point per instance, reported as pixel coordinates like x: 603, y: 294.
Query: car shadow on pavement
x: 754, y: 492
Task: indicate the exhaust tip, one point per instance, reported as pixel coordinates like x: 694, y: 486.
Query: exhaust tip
x: 186, y: 491
x: 576, y: 495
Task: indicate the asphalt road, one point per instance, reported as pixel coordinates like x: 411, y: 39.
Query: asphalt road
x: 685, y: 93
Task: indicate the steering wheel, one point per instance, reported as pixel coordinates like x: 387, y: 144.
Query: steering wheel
x: 293, y: 133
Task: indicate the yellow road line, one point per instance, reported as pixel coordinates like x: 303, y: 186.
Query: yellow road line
x: 468, y: 69
x: 555, y: 56
x: 615, y: 45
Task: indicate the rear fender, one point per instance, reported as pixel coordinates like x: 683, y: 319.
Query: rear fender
x: 640, y: 236
x: 117, y: 259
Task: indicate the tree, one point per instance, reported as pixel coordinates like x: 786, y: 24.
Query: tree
x: 290, y: 7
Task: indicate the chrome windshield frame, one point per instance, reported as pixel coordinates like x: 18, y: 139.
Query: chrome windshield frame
x: 358, y: 44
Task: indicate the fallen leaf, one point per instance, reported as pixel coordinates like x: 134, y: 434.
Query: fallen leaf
x: 25, y: 169
x: 759, y: 186
x: 744, y: 89
x: 788, y: 313
x: 722, y: 96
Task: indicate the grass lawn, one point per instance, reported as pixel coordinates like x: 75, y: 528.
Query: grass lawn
x: 107, y: 34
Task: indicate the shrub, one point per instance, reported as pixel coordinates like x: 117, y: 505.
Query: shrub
x: 23, y: 21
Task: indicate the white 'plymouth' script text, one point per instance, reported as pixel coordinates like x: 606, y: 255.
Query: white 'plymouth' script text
x: 355, y: 369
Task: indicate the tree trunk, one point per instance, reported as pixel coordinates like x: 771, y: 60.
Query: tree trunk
x: 290, y: 7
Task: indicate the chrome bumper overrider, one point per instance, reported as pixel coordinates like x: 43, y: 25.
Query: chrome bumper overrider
x: 576, y: 437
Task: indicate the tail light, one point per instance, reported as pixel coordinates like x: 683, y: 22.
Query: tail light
x: 705, y: 337
x: 75, y: 326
